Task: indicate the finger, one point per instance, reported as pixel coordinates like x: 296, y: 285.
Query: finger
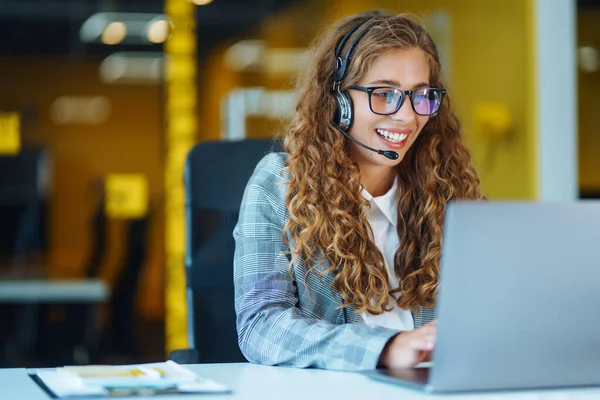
x: 424, y: 356
x: 424, y: 337
x: 423, y: 343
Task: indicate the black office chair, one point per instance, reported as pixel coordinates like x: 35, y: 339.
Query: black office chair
x: 82, y: 338
x: 75, y: 339
x: 216, y: 174
x: 23, y: 206
x: 23, y: 225
x: 122, y: 330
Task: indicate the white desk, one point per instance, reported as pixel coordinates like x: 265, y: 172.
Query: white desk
x: 16, y: 384
x: 249, y: 381
x: 22, y: 291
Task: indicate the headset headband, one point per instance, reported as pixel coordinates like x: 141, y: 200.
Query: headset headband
x: 341, y: 64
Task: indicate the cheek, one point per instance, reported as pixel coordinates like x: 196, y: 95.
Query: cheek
x: 363, y: 118
x: 360, y: 106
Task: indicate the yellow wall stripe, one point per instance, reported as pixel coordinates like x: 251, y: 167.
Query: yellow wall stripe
x: 180, y: 118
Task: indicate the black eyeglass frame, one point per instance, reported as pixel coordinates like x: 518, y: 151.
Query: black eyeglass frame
x: 369, y: 90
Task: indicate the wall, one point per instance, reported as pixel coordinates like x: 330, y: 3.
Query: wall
x: 129, y: 141
x: 588, y: 31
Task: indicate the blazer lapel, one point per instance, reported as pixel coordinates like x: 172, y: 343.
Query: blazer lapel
x: 350, y: 315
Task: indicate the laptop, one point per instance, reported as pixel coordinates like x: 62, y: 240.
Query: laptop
x: 519, y: 299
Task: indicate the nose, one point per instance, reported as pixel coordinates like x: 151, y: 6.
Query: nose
x: 405, y: 113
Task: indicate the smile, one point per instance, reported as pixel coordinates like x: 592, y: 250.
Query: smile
x: 391, y: 136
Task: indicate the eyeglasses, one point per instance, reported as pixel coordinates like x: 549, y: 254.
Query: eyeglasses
x: 387, y: 100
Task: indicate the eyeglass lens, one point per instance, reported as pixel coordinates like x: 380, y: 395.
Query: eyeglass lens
x: 425, y: 101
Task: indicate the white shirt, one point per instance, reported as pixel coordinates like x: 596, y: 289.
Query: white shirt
x: 383, y: 219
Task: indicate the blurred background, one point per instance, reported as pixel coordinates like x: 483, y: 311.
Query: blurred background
x: 100, y: 100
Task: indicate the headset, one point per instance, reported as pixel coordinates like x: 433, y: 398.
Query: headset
x: 343, y: 118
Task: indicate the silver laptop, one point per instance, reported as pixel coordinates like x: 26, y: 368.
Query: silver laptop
x: 519, y: 301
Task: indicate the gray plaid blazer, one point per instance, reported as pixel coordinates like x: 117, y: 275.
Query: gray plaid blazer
x: 286, y: 321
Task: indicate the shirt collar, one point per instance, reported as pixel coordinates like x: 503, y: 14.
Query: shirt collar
x: 387, y: 203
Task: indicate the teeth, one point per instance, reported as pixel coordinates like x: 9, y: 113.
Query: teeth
x: 392, y: 137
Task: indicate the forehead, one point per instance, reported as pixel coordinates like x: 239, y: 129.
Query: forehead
x: 408, y: 67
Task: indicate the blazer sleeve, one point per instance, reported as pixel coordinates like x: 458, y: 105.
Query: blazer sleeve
x: 272, y: 330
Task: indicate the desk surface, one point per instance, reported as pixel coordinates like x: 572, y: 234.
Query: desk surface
x: 53, y: 290
x: 249, y: 381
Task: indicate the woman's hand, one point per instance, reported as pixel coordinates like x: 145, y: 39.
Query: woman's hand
x: 408, y: 349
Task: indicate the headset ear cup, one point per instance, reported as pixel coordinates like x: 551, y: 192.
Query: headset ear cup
x: 343, y: 113
x: 338, y: 109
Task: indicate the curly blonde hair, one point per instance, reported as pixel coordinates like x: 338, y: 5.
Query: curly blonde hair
x: 328, y: 223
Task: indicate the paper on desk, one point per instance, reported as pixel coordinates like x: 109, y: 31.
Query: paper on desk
x: 167, y: 377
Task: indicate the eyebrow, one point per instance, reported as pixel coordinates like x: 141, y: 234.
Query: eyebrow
x: 393, y: 82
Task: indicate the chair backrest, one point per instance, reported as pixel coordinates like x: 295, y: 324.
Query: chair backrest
x: 216, y: 174
x: 122, y: 332
x: 98, y: 251
x: 23, y: 204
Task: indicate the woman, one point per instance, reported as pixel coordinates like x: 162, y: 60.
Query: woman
x: 338, y: 241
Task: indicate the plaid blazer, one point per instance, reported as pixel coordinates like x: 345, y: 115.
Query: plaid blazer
x: 286, y: 321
